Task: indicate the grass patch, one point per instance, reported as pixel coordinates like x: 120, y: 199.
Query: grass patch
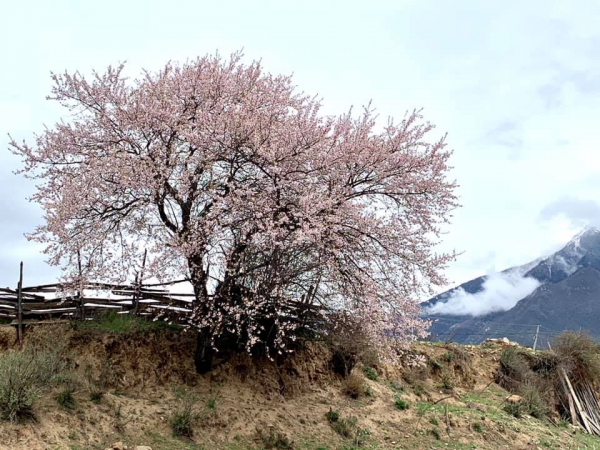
x: 121, y: 419
x: 113, y: 323
x: 184, y: 417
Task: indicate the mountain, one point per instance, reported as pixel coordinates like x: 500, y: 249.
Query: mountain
x: 565, y: 295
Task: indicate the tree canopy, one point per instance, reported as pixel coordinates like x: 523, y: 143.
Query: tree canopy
x: 228, y: 174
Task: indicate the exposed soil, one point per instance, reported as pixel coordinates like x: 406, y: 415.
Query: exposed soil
x: 453, y: 401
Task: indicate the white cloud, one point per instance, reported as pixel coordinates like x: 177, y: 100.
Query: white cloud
x: 500, y: 292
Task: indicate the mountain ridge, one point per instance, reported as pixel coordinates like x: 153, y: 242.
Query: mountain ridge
x: 566, y: 298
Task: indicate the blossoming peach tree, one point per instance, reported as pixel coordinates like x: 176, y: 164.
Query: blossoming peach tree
x: 228, y: 174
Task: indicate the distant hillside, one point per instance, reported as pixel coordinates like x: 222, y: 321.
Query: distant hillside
x: 568, y: 297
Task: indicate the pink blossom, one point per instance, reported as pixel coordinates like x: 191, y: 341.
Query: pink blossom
x: 230, y: 175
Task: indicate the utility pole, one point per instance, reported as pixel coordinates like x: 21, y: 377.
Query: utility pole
x: 537, y: 332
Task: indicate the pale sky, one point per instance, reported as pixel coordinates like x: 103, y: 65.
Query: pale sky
x: 516, y: 84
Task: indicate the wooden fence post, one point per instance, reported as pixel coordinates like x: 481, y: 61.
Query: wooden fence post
x: 80, y: 288
x: 138, y: 286
x: 20, y: 306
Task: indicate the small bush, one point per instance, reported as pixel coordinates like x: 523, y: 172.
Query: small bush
x: 370, y: 373
x: 349, y: 344
x: 65, y: 398
x: 447, y: 357
x: 348, y: 428
x: 434, y: 421
x: 274, y: 440
x: 183, y: 419
x: 436, y: 433
x: 401, y: 404
x: 579, y: 355
x: 354, y: 385
x: 478, y: 426
x: 23, y: 376
x: 418, y: 389
x: 332, y: 416
x: 514, y: 409
x: 447, y: 383
x: 435, y: 365
x: 532, y: 399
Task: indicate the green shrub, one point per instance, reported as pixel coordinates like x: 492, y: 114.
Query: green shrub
x: 370, y: 373
x: 332, y: 416
x: 434, y: 364
x: 436, y: 433
x: 401, y: 404
x: 349, y: 429
x: 447, y: 383
x: 65, y: 398
x: 478, y: 426
x: 514, y: 409
x: 23, y: 376
x: 434, y: 421
x: 447, y: 357
x: 418, y: 389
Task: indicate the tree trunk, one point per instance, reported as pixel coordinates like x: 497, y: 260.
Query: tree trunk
x: 204, y: 351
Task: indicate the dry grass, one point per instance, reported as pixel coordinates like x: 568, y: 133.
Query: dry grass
x: 349, y: 345
x: 354, y: 385
x: 579, y: 355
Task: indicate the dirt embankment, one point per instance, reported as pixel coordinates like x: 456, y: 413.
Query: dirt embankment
x: 442, y: 396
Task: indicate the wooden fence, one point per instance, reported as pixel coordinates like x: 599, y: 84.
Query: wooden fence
x: 80, y: 301
x: 57, y: 301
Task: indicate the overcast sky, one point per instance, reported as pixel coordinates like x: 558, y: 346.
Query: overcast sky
x: 516, y: 84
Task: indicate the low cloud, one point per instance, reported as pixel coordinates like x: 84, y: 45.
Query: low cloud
x: 501, y: 292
